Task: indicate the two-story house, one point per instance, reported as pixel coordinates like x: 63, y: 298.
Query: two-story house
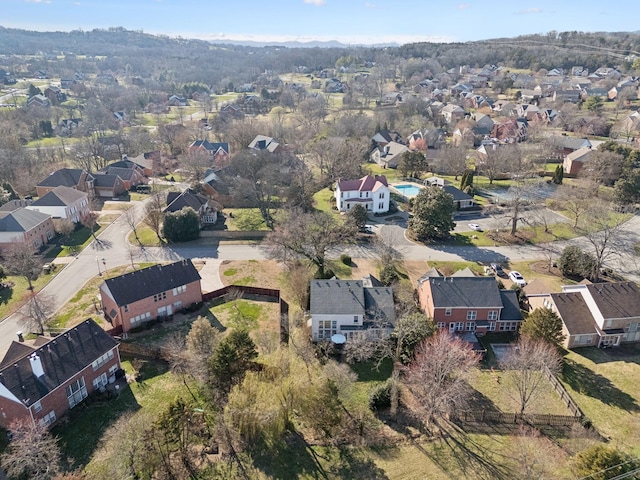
x: 596, y: 314
x: 372, y: 192
x: 388, y: 156
x: 136, y: 297
x: 25, y: 227
x: 76, y: 178
x: 40, y: 384
x: 63, y: 203
x: 218, y: 152
x: 205, y: 208
x: 350, y: 307
x: 468, y: 304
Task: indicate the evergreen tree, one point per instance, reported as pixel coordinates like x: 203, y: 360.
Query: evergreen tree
x: 433, y: 210
x: 543, y: 324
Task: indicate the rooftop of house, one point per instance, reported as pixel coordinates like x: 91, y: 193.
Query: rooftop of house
x: 67, y: 177
x: 139, y: 284
x: 352, y: 297
x: 21, y: 220
x: 368, y: 183
x: 616, y: 300
x: 575, y: 313
x: 60, y: 358
x: 463, y: 292
x: 176, y: 201
x: 60, y: 196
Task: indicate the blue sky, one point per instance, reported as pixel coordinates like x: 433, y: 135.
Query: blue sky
x: 349, y: 21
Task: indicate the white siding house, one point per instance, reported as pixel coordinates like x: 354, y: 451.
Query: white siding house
x: 372, y: 192
x: 63, y: 202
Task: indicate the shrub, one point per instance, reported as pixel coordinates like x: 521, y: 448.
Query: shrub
x: 388, y: 274
x: 346, y: 259
x: 380, y: 397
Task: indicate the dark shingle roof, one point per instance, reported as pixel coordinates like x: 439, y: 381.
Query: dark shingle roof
x: 134, y: 286
x: 122, y: 172
x: 511, y: 307
x: 337, y: 297
x: 59, y: 197
x: 462, y: 292
x: 21, y: 220
x: 105, y: 180
x: 351, y: 297
x: 616, y: 300
x: 456, y: 193
x: 67, y: 177
x: 176, y: 201
x: 575, y: 313
x: 61, y: 358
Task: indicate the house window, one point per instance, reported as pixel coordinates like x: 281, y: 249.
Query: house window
x: 327, y: 328
x: 102, y: 360
x: 341, y: 194
x: 493, y: 315
x: 447, y: 312
x: 37, y: 407
x: 440, y: 325
x: 360, y: 194
x: 355, y: 319
x: 76, y: 392
x: 113, y: 369
x: 159, y: 296
x: 492, y: 327
x: 471, y: 314
x: 381, y: 205
x: 508, y: 326
x: 179, y: 290
x: 126, y: 308
x: 459, y: 326
x: 177, y: 305
x: 48, y: 419
x: 381, y: 195
x: 100, y: 381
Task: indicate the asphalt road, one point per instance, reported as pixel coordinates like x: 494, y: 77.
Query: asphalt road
x: 112, y: 250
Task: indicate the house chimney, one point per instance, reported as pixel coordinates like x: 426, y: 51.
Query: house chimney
x: 36, y: 365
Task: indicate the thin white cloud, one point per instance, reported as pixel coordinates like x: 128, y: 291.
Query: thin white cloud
x: 352, y: 39
x: 529, y: 11
x: 37, y: 1
x: 370, y: 5
x: 464, y: 6
x: 317, y: 3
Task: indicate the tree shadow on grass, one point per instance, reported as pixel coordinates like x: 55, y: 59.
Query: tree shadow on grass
x: 294, y: 457
x: 587, y: 382
x: 82, y: 434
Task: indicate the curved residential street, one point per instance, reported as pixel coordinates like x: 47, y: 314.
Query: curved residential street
x: 112, y: 250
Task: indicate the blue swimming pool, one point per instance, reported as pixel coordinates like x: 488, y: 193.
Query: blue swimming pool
x: 408, y: 191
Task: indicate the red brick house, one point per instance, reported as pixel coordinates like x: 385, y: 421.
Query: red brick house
x: 76, y: 178
x: 25, y: 227
x: 468, y: 304
x: 136, y: 297
x: 40, y: 384
x: 218, y: 152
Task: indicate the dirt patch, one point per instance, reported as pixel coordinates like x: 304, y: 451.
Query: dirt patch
x: 416, y: 269
x: 542, y: 268
x: 361, y: 267
x: 254, y: 273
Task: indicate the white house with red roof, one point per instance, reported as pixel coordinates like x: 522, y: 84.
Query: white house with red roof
x: 372, y: 192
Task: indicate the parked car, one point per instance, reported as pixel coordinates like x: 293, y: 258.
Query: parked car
x: 367, y: 229
x: 475, y: 226
x: 516, y: 278
x: 497, y: 269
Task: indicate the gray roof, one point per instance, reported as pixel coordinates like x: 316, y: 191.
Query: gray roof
x: 176, y: 201
x: 337, y: 297
x: 351, y: 297
x: 122, y: 172
x: 21, y: 220
x: 575, y: 313
x: 456, y: 193
x: 464, y: 292
x: 60, y: 197
x: 511, y: 307
x: 106, y: 180
x: 616, y: 300
x: 68, y: 177
x: 573, y: 143
x: 139, y: 284
x: 61, y: 358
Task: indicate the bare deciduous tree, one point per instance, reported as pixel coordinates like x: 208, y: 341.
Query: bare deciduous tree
x: 437, y: 376
x: 90, y: 221
x: 37, y: 313
x: 20, y: 261
x: 131, y: 218
x: 306, y: 236
x: 602, y: 228
x: 64, y: 227
x: 525, y: 366
x: 153, y: 214
x: 574, y: 200
x: 33, y: 452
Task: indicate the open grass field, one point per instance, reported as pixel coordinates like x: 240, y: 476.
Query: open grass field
x: 604, y: 383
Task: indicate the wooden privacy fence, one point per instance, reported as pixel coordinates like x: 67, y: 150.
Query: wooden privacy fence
x: 230, y: 292
x: 562, y: 392
x: 483, y: 416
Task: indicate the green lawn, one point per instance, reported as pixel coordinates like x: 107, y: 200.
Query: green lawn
x: 239, y: 314
x: 245, y: 219
x: 11, y: 298
x: 146, y: 237
x: 324, y: 201
x: 75, y: 243
x: 604, y: 384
